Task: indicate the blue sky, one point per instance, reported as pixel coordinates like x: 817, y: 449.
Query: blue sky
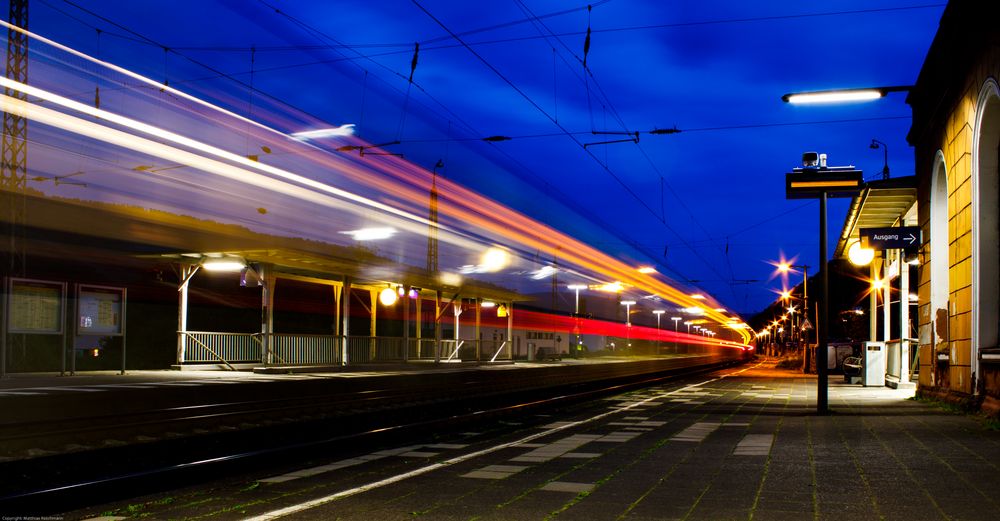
x: 705, y: 205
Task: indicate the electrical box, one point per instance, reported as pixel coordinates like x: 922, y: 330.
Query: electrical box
x: 873, y: 374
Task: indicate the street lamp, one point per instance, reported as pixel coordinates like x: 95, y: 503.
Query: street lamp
x: 628, y: 320
x: 785, y: 267
x: 658, y: 313
x: 628, y: 311
x: 885, y: 161
x: 676, y: 321
x: 842, y: 95
x: 576, y: 310
x: 576, y: 288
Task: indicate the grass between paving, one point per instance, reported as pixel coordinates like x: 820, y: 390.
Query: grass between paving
x: 965, y: 409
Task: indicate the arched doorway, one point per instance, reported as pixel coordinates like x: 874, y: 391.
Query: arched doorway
x: 939, y: 242
x: 985, y: 230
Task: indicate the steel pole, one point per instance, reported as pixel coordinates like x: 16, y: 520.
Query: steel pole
x: 824, y: 313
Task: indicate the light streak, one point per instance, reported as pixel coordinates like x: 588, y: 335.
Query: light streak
x: 402, y: 179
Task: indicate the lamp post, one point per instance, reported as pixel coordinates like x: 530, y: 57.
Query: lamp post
x: 885, y: 158
x: 576, y: 288
x: 576, y: 311
x: 676, y: 321
x: 784, y: 267
x: 658, y: 313
x: 628, y: 320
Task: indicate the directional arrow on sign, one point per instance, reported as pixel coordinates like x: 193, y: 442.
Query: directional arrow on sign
x: 890, y: 238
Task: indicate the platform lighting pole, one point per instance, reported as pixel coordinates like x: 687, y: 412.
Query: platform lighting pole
x: 628, y: 321
x: 676, y: 321
x: 658, y: 313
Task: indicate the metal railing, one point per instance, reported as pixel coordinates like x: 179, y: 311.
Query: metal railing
x: 294, y: 349
x: 363, y: 349
x: 421, y: 349
x: 226, y: 348
x: 287, y: 349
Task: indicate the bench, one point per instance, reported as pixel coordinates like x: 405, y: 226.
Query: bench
x: 852, y: 369
x: 547, y: 353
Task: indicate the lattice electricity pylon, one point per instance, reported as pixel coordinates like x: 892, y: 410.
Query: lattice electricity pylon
x: 432, y: 231
x: 14, y: 152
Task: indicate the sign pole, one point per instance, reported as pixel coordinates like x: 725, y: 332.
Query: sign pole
x: 816, y: 180
x: 824, y: 313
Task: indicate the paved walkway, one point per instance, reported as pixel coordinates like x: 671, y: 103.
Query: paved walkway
x: 743, y: 444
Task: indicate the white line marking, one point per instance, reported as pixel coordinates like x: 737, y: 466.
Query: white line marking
x: 306, y: 505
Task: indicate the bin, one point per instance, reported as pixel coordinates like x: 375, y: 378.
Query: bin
x: 873, y: 374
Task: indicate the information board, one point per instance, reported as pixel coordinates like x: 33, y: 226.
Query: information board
x: 100, y: 310
x: 36, y: 307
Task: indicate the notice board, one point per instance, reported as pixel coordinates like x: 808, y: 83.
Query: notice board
x: 35, y: 307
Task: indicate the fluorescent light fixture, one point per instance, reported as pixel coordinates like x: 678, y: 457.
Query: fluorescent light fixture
x: 659, y: 312
x: 344, y: 130
x: 488, y: 304
x: 223, y: 264
x: 835, y: 96
x: 628, y: 302
x: 693, y: 310
x: 576, y: 286
x: 371, y: 234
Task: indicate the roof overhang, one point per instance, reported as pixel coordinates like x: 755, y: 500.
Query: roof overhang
x: 113, y: 233
x: 880, y: 204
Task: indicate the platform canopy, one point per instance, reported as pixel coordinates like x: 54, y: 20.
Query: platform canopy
x: 879, y: 205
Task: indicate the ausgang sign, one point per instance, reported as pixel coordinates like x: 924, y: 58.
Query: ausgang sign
x: 906, y: 237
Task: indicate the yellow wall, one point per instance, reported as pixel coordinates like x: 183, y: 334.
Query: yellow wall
x: 956, y: 143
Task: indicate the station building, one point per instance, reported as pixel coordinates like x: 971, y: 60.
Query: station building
x: 956, y: 137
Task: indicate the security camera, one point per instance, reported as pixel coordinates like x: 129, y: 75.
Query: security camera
x: 813, y: 160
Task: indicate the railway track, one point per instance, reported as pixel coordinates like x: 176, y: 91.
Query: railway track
x: 216, y: 439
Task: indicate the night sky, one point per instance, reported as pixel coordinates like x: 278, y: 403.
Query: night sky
x: 705, y: 205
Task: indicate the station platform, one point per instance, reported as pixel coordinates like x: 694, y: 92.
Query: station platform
x: 740, y: 443
x: 25, y: 384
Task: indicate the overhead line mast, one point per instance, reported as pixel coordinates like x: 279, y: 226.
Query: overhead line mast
x: 13, y: 171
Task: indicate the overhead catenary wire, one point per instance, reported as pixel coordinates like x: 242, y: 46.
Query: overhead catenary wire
x: 469, y: 128
x: 607, y: 103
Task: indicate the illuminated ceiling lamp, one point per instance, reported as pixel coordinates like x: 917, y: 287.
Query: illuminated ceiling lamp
x: 388, y: 296
x: 223, y: 264
x: 860, y: 256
